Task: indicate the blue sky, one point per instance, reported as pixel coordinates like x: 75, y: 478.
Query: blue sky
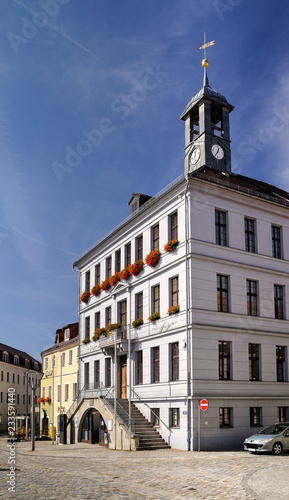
x: 119, y: 73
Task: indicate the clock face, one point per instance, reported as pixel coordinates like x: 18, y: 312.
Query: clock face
x: 217, y: 151
x: 196, y: 153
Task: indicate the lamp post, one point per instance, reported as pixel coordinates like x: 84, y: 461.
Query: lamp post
x: 33, y: 383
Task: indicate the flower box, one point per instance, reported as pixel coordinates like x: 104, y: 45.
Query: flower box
x: 96, y: 290
x: 114, y: 279
x: 112, y: 326
x: 152, y: 259
x: 125, y: 274
x: 137, y: 322
x: 98, y: 332
x: 171, y: 245
x: 41, y: 400
x: 86, y: 341
x: 154, y: 316
x: 105, y: 285
x: 48, y: 400
x: 136, y: 268
x: 85, y: 296
x: 173, y: 310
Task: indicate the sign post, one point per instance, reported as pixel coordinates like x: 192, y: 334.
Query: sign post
x: 202, y: 405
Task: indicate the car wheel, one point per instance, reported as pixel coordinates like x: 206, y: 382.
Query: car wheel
x: 277, y: 449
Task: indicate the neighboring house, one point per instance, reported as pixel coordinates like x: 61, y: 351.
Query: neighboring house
x: 18, y: 370
x: 59, y: 380
x: 218, y: 303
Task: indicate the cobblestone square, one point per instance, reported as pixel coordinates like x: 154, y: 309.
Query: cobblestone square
x: 84, y: 471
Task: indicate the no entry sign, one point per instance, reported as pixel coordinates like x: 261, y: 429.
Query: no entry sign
x: 204, y: 404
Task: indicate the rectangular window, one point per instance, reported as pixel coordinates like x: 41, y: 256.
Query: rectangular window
x: 156, y: 299
x: 87, y: 327
x: 276, y: 242
x: 224, y: 360
x: 86, y: 375
x: 254, y: 362
x: 155, y: 238
x: 225, y: 417
x: 174, y: 288
x: 97, y: 320
x: 7, y: 376
x: 156, y: 364
x: 108, y: 267
x: 250, y: 235
x: 139, y: 367
x: 74, y: 390
x: 49, y: 391
x: 43, y: 392
x: 46, y: 363
x: 2, y: 376
x: 18, y: 399
x: 1, y: 397
x: 123, y: 317
x: 174, y: 226
x: 139, y: 248
x: 63, y: 359
x: 66, y: 392
x: 53, y: 361
x: 175, y: 417
x: 255, y: 416
x: 13, y: 378
x: 155, y: 417
x: 251, y: 298
x: 221, y: 227
x: 18, y: 379
x: 282, y: 413
x: 127, y: 254
x: 117, y: 261
x: 96, y: 374
x: 279, y: 301
x: 174, y: 361
x: 108, y: 372
x: 281, y: 363
x: 139, y: 305
x: 97, y: 274
x: 107, y: 315
x: 23, y: 399
x: 222, y: 293
x: 29, y: 399
x: 58, y: 393
x: 87, y: 280
x: 70, y: 356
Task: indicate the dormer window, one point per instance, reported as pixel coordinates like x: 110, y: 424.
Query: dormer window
x: 16, y: 359
x: 5, y: 356
x: 36, y: 365
x: 67, y: 330
x: 27, y: 363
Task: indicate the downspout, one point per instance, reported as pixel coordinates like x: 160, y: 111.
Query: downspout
x: 187, y: 321
x: 78, y: 371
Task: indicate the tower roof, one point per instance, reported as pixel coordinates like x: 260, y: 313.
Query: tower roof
x: 206, y: 92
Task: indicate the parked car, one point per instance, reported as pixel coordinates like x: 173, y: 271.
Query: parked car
x: 274, y: 438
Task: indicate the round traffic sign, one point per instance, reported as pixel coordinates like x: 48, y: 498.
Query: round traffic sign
x: 204, y: 404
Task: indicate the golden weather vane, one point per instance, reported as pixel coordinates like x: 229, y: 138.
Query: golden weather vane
x: 205, y: 61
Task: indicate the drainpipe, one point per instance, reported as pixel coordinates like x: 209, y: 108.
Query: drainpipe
x: 187, y: 320
x: 129, y: 368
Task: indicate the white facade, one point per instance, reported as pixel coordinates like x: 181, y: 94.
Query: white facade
x: 242, y: 386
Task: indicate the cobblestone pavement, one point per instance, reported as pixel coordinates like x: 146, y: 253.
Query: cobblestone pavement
x: 83, y: 471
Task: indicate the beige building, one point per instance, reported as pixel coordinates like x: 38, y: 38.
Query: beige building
x: 18, y: 370
x: 59, y: 384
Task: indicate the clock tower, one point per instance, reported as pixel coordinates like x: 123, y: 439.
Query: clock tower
x: 207, y: 128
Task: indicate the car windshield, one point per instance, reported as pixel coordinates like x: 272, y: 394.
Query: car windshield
x: 273, y: 429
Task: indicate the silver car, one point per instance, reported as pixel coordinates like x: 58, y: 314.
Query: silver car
x: 274, y: 438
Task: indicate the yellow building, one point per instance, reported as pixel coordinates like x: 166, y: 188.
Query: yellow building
x: 59, y: 383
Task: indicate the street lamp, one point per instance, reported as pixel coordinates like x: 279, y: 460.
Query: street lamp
x: 33, y: 383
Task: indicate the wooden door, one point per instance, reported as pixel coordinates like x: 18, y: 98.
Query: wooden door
x: 123, y: 378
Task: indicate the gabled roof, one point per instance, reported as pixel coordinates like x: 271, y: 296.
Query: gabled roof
x: 21, y: 354
x: 243, y: 184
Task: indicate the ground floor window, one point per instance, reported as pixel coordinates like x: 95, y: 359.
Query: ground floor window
x: 255, y: 416
x: 155, y: 417
x: 225, y: 417
x: 282, y: 412
x: 174, y: 417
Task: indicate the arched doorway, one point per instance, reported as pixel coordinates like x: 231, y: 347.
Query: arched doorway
x: 92, y: 427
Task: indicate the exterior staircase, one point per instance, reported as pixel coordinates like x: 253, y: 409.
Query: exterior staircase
x: 149, y: 438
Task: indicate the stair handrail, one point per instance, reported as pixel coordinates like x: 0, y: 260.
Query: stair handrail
x: 118, y: 405
x: 151, y: 410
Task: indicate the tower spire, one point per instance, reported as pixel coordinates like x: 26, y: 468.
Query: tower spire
x: 205, y: 62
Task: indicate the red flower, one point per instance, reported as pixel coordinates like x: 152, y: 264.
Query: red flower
x: 112, y: 326
x: 173, y: 309
x: 96, y: 290
x: 125, y: 273
x: 152, y: 259
x: 105, y: 285
x: 136, y: 268
x: 114, y: 279
x: 171, y: 245
x: 85, y: 296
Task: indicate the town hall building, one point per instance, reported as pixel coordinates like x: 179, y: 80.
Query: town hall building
x: 187, y: 299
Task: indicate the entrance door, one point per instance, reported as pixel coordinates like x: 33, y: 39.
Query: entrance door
x: 123, y: 377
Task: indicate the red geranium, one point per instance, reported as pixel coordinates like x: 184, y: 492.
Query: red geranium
x: 125, y: 273
x: 105, y: 285
x: 152, y: 259
x: 114, y: 279
x: 85, y: 296
x: 136, y: 268
x: 171, y: 245
x: 96, y: 290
